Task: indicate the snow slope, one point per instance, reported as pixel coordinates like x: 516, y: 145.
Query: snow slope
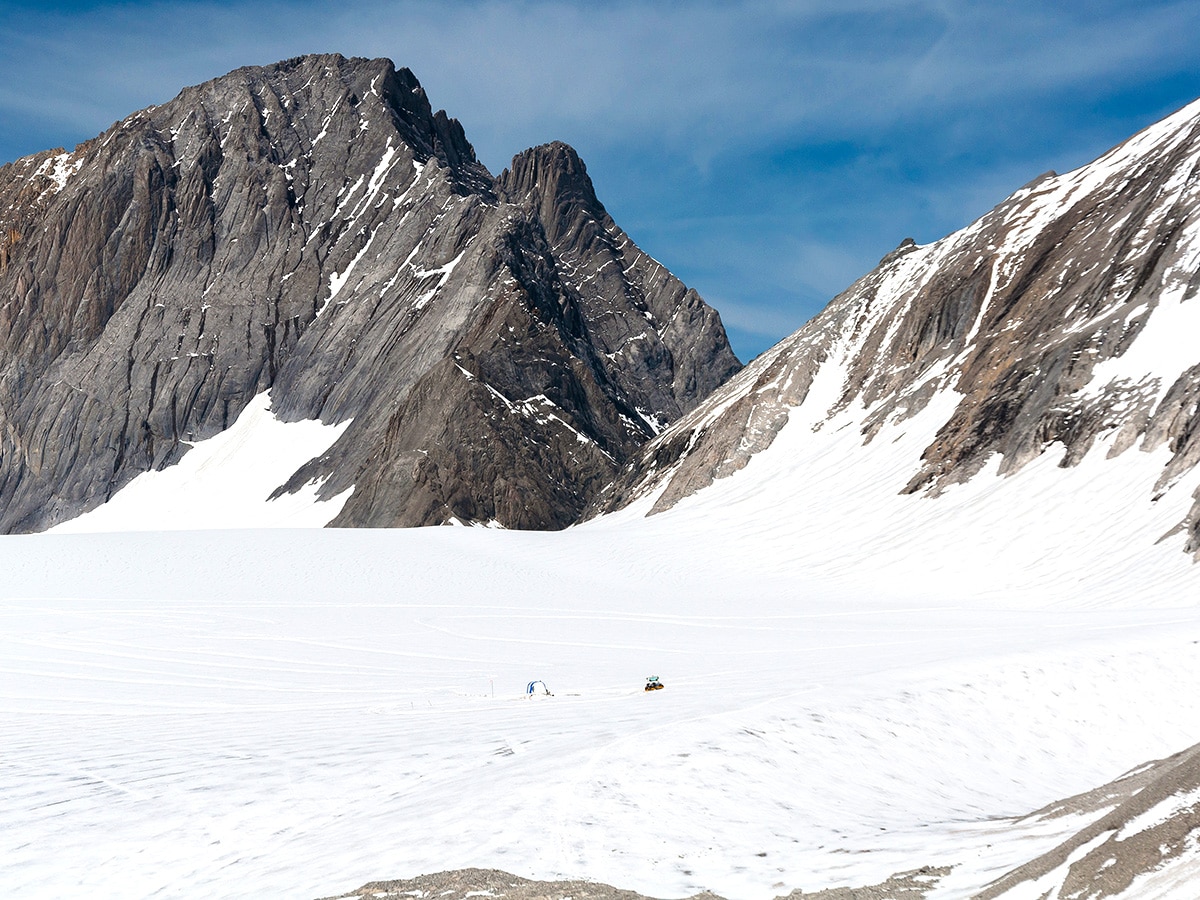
x: 1089, y: 535
x: 226, y: 480
x: 292, y: 713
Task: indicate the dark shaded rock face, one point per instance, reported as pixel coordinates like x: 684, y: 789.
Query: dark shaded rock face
x: 314, y: 228
x: 1030, y: 316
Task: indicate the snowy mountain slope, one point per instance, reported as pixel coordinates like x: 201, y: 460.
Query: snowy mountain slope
x: 1056, y: 327
x: 314, y: 228
x: 269, y: 714
x: 819, y: 505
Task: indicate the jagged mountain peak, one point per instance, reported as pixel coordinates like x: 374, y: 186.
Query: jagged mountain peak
x: 315, y: 229
x: 555, y: 175
x: 553, y: 180
x: 664, y: 317
x: 317, y: 88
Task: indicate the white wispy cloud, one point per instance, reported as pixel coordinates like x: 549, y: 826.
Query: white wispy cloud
x: 702, y: 77
x: 799, y: 138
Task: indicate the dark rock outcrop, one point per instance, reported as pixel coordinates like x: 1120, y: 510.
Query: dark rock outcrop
x: 316, y: 229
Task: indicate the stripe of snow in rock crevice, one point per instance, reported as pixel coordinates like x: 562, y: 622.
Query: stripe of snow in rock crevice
x: 535, y: 408
x: 629, y: 340
x: 574, y: 269
x: 325, y: 125
x: 374, y: 183
x: 1160, y: 813
x: 444, y: 271
x: 338, y: 279
x: 398, y: 227
x: 346, y: 195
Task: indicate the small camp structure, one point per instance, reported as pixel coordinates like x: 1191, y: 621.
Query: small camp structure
x: 537, y: 689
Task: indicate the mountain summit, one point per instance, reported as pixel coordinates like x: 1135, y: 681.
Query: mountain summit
x: 493, y: 349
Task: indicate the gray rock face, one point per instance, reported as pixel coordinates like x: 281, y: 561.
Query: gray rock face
x: 466, y: 883
x: 1140, y: 844
x: 314, y: 228
x: 1030, y: 316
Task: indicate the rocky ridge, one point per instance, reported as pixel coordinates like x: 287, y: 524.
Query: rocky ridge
x: 1052, y: 322
x: 315, y: 229
x: 1141, y: 841
x: 466, y: 883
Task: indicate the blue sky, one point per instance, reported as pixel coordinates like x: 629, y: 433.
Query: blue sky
x: 767, y: 152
